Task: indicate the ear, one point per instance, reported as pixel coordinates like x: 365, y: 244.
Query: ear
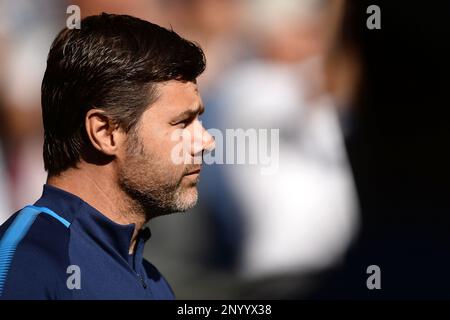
x: 104, y: 135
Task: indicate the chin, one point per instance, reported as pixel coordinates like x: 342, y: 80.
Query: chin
x: 187, y: 200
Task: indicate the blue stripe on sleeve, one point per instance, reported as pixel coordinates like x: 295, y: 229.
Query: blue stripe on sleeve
x: 16, y: 232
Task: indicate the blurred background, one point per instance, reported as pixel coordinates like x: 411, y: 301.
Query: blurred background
x: 363, y: 153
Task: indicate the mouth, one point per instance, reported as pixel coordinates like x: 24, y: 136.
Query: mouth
x: 193, y: 174
x: 197, y: 171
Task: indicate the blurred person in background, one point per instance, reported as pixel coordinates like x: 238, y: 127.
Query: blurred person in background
x: 27, y: 29
x: 5, y: 204
x: 298, y: 221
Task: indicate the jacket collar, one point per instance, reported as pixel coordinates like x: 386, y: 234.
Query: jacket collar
x: 110, y: 235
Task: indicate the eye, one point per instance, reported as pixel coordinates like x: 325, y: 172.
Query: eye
x: 182, y: 124
x: 186, y: 122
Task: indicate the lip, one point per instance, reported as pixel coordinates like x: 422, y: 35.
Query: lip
x: 193, y: 172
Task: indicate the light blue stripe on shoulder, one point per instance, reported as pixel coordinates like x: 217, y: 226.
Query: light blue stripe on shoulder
x: 53, y: 214
x: 16, y: 232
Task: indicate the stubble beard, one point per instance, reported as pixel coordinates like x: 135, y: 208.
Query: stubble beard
x: 153, y: 187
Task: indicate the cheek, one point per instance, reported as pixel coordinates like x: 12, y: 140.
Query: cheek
x: 165, y: 147
x: 177, y: 144
x: 156, y: 140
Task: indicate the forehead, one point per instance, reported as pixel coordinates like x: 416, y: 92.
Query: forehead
x: 175, y: 97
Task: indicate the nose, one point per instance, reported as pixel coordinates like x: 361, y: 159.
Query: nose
x: 202, y: 140
x: 208, y: 141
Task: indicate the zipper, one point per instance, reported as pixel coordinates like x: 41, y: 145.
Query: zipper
x: 142, y: 281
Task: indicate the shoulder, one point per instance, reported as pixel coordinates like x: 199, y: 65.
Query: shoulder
x: 34, y: 256
x: 164, y: 290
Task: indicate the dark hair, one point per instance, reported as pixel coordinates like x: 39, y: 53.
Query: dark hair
x: 112, y: 63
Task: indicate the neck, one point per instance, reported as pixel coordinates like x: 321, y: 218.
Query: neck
x: 97, y: 187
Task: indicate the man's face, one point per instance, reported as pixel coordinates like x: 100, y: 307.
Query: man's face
x: 149, y: 173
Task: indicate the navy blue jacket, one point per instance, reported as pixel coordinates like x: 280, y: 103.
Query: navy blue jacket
x: 62, y: 248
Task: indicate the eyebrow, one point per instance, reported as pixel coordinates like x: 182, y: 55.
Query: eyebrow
x: 190, y: 112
